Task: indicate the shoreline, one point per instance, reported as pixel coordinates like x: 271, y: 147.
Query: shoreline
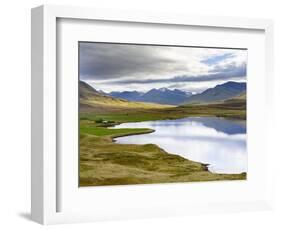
x: 132, y: 134
x: 142, y: 164
x: 103, y: 162
x: 204, y: 165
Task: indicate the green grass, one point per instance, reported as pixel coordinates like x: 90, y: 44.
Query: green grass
x: 103, y: 162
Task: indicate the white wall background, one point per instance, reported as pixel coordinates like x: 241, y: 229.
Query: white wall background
x: 15, y: 112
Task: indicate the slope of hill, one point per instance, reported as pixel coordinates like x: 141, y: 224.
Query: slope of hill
x: 92, y: 100
x: 237, y: 102
x: 241, y: 96
x: 86, y: 91
x: 159, y: 96
x: 221, y: 92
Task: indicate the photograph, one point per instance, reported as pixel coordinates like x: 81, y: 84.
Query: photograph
x: 152, y: 114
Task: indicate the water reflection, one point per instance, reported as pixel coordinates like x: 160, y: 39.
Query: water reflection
x: 215, y: 141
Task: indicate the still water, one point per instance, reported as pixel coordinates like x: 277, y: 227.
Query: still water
x: 219, y: 142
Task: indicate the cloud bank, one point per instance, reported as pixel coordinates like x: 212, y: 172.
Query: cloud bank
x: 141, y: 67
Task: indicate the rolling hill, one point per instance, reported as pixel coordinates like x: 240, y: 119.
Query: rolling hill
x: 159, y: 96
x: 221, y: 92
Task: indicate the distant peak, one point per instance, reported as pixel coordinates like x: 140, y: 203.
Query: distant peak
x: 163, y: 89
x: 233, y: 83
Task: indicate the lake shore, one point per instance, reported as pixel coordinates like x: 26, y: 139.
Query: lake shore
x: 104, y: 162
x: 219, y: 142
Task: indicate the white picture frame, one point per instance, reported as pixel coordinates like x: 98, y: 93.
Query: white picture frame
x: 45, y: 167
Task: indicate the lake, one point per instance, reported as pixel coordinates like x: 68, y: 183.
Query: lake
x: 219, y: 142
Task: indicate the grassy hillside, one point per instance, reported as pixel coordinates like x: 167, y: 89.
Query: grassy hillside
x: 230, y: 108
x: 238, y: 102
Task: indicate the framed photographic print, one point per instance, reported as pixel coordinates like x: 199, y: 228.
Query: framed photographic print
x: 138, y: 114
x: 158, y: 114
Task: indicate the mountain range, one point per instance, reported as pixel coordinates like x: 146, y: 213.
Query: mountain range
x: 228, y: 91
x: 221, y: 92
x: 159, y: 96
x: 91, y: 99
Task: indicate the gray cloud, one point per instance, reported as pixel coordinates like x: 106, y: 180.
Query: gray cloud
x: 102, y: 61
x: 226, y: 73
x: 142, y: 67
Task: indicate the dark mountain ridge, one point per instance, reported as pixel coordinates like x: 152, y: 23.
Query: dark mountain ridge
x: 160, y: 96
x: 221, y: 92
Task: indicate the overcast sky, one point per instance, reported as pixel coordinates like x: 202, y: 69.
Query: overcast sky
x: 120, y: 67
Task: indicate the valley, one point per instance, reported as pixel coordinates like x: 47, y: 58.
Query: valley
x: 104, y: 162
